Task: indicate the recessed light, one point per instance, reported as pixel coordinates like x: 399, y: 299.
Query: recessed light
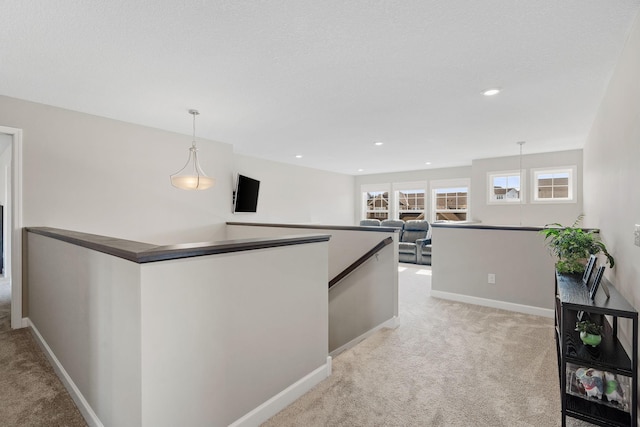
x: 491, y: 92
x: 427, y: 163
x: 298, y: 156
x: 379, y: 143
x: 360, y: 170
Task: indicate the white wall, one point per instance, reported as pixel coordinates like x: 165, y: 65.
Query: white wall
x: 220, y: 344
x: 295, y: 194
x: 612, y: 172
x: 362, y: 301
x: 102, y: 176
x: 86, y: 305
x: 464, y: 256
x: 5, y: 192
x: 5, y: 162
x: 533, y: 214
x: 200, y: 341
x: 425, y: 175
x: 528, y: 213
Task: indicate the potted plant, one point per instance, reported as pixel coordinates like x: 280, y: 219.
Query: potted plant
x: 590, y: 332
x: 573, y: 245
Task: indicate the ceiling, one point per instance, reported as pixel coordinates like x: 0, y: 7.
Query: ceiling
x: 326, y: 79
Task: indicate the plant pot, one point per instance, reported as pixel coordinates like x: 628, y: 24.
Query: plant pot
x: 589, y: 339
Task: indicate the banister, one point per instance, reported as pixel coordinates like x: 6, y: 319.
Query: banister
x: 357, y: 263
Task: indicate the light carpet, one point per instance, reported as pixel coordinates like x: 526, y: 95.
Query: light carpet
x: 447, y: 364
x: 31, y: 395
x: 5, y: 304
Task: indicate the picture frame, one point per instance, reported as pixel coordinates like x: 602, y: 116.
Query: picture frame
x: 589, y: 269
x: 596, y: 282
x: 605, y: 288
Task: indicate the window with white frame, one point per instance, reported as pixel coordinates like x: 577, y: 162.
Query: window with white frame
x: 554, y: 185
x: 375, y: 202
x: 410, y: 203
x: 450, y: 200
x: 505, y: 187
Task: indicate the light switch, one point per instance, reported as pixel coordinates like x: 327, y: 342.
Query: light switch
x: 636, y: 233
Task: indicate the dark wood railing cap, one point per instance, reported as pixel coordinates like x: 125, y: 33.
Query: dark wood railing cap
x: 141, y: 253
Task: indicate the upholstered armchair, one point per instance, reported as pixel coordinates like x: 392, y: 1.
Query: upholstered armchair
x: 370, y: 222
x: 414, y: 241
x: 394, y: 223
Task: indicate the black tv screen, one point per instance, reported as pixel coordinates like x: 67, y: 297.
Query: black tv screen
x: 246, y: 194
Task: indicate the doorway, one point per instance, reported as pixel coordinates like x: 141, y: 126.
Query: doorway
x: 11, y: 224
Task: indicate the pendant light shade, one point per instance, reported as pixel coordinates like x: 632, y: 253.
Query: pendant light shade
x: 191, y: 176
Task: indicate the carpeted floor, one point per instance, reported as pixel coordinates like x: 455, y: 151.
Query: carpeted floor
x: 5, y: 304
x: 31, y: 395
x: 447, y: 364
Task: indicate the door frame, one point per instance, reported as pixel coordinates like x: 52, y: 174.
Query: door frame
x: 14, y: 235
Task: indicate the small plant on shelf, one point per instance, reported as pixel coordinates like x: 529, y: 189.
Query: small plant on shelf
x: 590, y: 332
x: 573, y: 245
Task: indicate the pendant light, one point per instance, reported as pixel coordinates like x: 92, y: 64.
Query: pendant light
x: 191, y: 176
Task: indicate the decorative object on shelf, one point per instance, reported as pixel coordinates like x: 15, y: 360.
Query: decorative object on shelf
x: 612, y: 389
x: 592, y: 381
x: 191, y: 176
x: 573, y: 245
x: 589, y: 269
x: 590, y: 332
x: 596, y: 283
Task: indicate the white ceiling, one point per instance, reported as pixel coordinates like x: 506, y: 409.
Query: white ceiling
x: 327, y: 78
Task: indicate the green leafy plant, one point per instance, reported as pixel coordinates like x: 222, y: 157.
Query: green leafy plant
x: 589, y: 327
x: 573, y: 245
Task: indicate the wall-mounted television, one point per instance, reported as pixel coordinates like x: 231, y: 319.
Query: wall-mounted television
x: 245, y: 198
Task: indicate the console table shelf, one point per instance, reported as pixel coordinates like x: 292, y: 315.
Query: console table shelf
x: 572, y: 298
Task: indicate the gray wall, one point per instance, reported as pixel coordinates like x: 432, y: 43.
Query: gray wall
x: 103, y: 176
x: 183, y: 342
x: 463, y: 257
x: 612, y: 172
x: 527, y: 213
x: 364, y: 300
x: 531, y: 214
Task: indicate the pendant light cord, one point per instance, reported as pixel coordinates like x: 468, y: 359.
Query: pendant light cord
x: 194, y: 113
x: 520, y: 143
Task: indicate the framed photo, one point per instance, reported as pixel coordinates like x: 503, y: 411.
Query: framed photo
x: 589, y: 269
x: 596, y: 282
x: 605, y: 288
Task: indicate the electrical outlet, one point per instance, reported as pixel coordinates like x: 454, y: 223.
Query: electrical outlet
x: 636, y: 233
x: 491, y: 278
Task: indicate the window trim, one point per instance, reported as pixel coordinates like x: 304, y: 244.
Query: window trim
x: 369, y: 188
x: 409, y: 185
x: 573, y: 184
x: 513, y: 172
x: 449, y: 183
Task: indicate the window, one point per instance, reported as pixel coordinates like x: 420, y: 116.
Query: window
x: 376, y: 205
x: 450, y: 202
x: 504, y: 187
x: 410, y: 204
x: 554, y: 185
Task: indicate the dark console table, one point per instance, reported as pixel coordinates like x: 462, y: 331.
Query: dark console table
x: 572, y: 300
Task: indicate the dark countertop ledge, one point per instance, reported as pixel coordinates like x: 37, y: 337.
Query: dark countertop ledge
x: 141, y: 253
x: 478, y: 226
x: 318, y: 227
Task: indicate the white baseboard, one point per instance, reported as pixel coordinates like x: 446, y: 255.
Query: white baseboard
x: 83, y: 406
x: 510, y: 306
x: 392, y: 323
x: 284, y: 398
